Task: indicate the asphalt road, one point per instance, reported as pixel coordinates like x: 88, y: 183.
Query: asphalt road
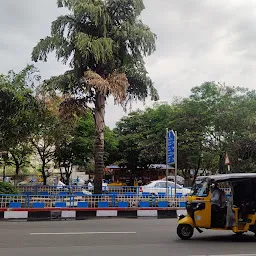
x: 112, y: 237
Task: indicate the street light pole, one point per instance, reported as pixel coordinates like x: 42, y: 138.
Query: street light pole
x: 166, y: 170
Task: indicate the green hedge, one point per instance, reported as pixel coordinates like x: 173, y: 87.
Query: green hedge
x: 7, y: 188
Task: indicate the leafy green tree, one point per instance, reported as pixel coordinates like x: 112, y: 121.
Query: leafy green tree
x: 4, y: 161
x: 111, y: 147
x: 20, y: 155
x: 130, y: 138
x: 242, y: 152
x: 213, y: 120
x: 83, y: 141
x: 190, y: 121
x: 104, y: 43
x: 18, y: 106
x: 142, y: 136
x: 64, y: 156
x: 76, y: 144
x: 43, y: 141
x: 44, y: 138
x: 226, y: 111
x: 154, y: 123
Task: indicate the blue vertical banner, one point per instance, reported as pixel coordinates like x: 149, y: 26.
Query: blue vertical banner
x: 171, y: 147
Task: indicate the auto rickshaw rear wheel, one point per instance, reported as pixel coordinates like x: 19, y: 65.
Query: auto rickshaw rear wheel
x: 185, y: 231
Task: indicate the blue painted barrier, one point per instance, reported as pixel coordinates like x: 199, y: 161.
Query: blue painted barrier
x: 60, y: 204
x: 103, y: 204
x: 183, y: 204
x: 15, y: 205
x: 179, y: 195
x: 163, y: 204
x: 37, y: 205
x: 43, y: 193
x: 89, y: 201
x: 144, y: 204
x: 146, y: 194
x: 82, y: 205
x: 123, y: 205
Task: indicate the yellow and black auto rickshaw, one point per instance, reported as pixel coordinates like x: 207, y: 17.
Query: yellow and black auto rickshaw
x: 220, y: 202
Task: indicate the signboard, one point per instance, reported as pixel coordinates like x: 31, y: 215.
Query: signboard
x: 171, y: 147
x: 227, y: 162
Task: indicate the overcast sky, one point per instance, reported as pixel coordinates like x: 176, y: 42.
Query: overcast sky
x: 198, y: 41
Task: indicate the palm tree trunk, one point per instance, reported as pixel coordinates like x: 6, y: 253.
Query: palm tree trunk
x: 99, y: 115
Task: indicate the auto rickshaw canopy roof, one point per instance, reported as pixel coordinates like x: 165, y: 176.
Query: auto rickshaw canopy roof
x: 229, y: 177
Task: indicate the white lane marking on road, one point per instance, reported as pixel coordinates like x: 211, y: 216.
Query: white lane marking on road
x: 81, y: 233
x: 226, y: 255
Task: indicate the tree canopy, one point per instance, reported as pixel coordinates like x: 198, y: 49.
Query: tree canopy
x: 212, y: 121
x: 18, y: 107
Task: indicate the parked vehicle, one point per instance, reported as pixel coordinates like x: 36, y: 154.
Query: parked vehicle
x: 180, y: 180
x: 159, y: 186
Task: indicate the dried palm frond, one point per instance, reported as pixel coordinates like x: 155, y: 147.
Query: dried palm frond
x: 94, y: 80
x: 116, y: 84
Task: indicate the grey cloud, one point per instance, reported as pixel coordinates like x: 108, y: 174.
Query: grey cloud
x: 192, y: 28
x: 22, y: 24
x: 199, y: 41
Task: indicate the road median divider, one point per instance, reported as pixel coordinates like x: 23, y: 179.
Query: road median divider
x: 47, y: 214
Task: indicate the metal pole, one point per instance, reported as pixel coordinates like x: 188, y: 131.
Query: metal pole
x: 166, y: 171
x: 176, y: 157
x: 4, y: 172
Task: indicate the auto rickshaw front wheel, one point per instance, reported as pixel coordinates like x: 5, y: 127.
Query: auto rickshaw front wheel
x: 185, y: 231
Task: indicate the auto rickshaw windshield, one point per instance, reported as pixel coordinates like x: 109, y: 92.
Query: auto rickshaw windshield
x: 201, y: 188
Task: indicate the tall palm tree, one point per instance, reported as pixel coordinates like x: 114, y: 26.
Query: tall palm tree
x: 104, y: 42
